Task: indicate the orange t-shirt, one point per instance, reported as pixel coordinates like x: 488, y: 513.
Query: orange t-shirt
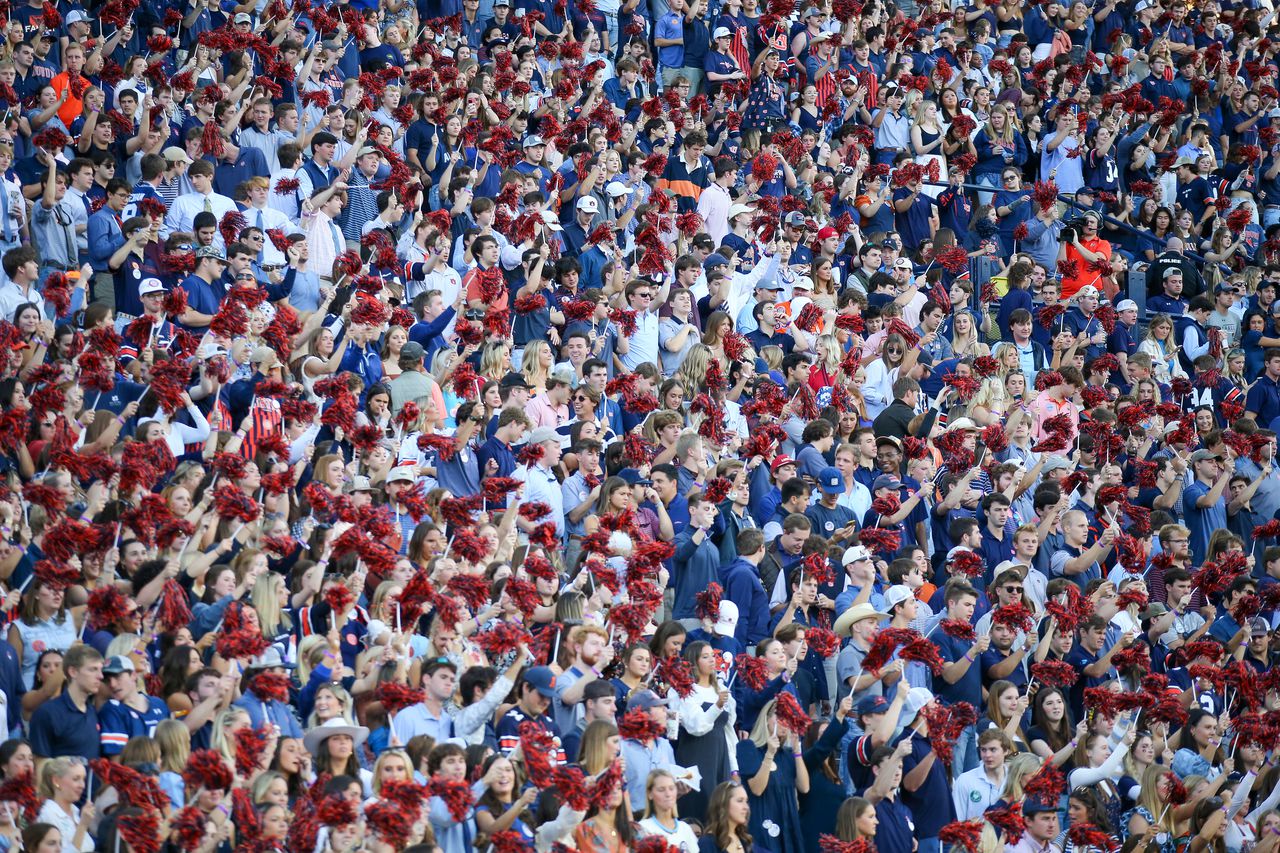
x: 1084, y: 273
x: 72, y: 106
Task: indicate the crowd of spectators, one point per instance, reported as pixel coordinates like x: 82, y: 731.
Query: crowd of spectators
x: 650, y: 426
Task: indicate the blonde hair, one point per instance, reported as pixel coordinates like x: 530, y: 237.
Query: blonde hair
x: 221, y: 741
x: 263, y: 782
x: 834, y: 351
x: 55, y: 767
x: 377, y: 766
x: 693, y: 370
x: 531, y: 364
x: 272, y: 618
x: 123, y: 645
x: 344, y: 699
x: 310, y: 652
x: 1017, y: 769
x: 175, y: 745
x: 761, y: 730
x: 654, y: 776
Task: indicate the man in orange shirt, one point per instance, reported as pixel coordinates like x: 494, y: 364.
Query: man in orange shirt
x: 73, y: 63
x: 1086, y: 249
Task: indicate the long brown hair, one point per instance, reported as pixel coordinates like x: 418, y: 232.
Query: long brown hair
x: 718, y: 826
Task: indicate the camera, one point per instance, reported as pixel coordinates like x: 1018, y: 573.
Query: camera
x: 1071, y: 229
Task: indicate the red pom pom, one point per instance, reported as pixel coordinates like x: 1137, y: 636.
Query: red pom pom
x: 753, y: 671
x: 1055, y: 673
x: 207, y: 769
x: 791, y: 716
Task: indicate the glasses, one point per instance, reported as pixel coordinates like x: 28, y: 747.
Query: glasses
x: 1013, y: 589
x: 1010, y: 178
x: 581, y: 398
x: 645, y: 295
x: 893, y: 352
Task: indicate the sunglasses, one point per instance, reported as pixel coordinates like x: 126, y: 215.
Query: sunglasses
x: 1013, y: 589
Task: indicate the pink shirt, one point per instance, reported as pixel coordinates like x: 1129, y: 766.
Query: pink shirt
x: 1045, y: 407
x: 542, y: 413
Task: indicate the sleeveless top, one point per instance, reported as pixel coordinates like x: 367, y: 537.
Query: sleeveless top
x: 40, y: 637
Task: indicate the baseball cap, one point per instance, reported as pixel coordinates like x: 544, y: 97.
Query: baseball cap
x: 1035, y: 805
x: 916, y: 700
x: 150, y: 285
x: 1183, y: 161
x: 210, y: 252
x: 1170, y: 272
x: 368, y: 149
x: 1223, y: 287
x: 633, y: 477
x: 739, y: 209
x: 117, y: 664
x: 242, y: 18
x: 542, y: 679
x: 75, y: 16
x: 895, y: 595
x: 644, y: 699
x: 1202, y: 454
x: 264, y: 355
x: 728, y: 621
x: 801, y: 284
x: 812, y: 11
x: 513, y: 380
x: 1087, y: 290
x: 827, y: 232
x: 961, y: 423
x: 1056, y: 463
x: 795, y: 218
x: 1154, y: 610
x: 412, y: 350
x: 885, y: 481
x: 617, y: 189
x: 210, y: 350
x: 902, y: 264
x: 400, y: 474
x: 888, y: 439
x: 715, y: 259
x: 721, y: 33
x: 1126, y: 305
x: 872, y: 705
x: 531, y: 140
x: 588, y: 204
x: 174, y: 154
x: 780, y: 461
x: 1259, y: 625
x: 549, y: 219
x: 830, y: 481
x: 544, y: 433
x: 854, y: 554
x: 359, y: 483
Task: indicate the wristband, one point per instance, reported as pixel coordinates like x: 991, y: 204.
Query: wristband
x: 120, y: 420
x: 966, y: 657
x: 224, y: 810
x: 801, y: 755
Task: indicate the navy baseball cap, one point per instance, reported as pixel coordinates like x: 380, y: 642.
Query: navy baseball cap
x: 872, y: 705
x: 830, y: 481
x: 542, y: 679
